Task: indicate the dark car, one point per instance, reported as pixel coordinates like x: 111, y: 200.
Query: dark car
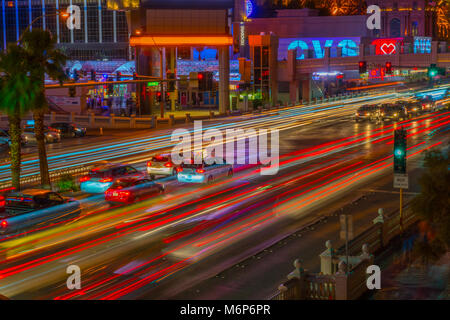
x: 69, y: 130
x: 413, y: 109
x: 35, y: 208
x: 5, y: 138
x: 392, y: 112
x: 428, y: 104
x: 131, y: 190
x: 100, y: 178
x: 366, y: 112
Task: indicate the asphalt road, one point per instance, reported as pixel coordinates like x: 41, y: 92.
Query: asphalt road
x: 164, y: 246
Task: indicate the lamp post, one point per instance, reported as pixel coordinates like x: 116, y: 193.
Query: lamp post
x: 64, y: 15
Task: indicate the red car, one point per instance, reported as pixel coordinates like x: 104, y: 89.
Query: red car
x: 130, y: 190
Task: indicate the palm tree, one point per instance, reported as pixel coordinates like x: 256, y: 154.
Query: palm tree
x: 43, y: 58
x: 17, y: 92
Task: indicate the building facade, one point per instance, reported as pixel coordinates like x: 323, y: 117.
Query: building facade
x: 103, y: 33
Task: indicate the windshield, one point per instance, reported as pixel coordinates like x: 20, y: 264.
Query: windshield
x: 119, y: 184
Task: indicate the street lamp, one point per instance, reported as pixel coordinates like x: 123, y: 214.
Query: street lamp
x: 63, y: 15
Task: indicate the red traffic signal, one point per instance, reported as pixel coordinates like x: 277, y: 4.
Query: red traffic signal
x: 362, y: 67
x: 388, y: 68
x: 200, y: 76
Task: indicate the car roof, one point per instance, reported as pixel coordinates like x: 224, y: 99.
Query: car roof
x: 107, y: 166
x: 30, y: 192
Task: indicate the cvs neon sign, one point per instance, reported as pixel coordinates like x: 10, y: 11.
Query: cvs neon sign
x: 349, y: 46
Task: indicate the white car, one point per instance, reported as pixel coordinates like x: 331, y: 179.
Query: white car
x: 204, y: 172
x: 161, y: 165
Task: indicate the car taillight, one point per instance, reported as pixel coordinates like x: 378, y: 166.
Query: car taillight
x: 200, y: 171
x: 106, y: 180
x: 179, y: 169
x: 149, y: 164
x: 168, y: 165
x: 85, y: 178
x: 4, y: 224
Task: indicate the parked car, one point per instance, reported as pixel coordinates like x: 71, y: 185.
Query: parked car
x: 35, y: 208
x: 129, y: 190
x: 5, y: 138
x: 50, y: 135
x: 204, y: 172
x: 69, y: 130
x: 161, y: 165
x: 99, y: 179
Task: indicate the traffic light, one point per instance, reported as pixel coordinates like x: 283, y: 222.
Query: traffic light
x: 93, y: 75
x: 118, y: 76
x: 72, y: 92
x: 209, y: 81
x: 171, y: 82
x: 432, y: 70
x: 400, y: 151
x: 362, y: 67
x: 201, y: 81
x: 158, y: 96
x: 388, y: 68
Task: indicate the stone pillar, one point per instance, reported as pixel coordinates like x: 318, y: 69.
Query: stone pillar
x: 326, y: 259
x: 291, y: 71
x: 224, y: 79
x: 434, y: 52
x: 293, y: 91
x: 83, y: 105
x: 306, y: 88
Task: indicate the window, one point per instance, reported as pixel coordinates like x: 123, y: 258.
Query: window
x: 130, y: 170
x: 394, y: 27
x: 414, y: 28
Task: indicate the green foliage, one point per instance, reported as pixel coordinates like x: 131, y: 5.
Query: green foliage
x: 67, y: 183
x: 433, y: 202
x: 17, y: 90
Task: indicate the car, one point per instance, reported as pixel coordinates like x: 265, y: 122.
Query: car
x: 161, y: 165
x: 428, y: 104
x: 413, y: 109
x: 99, y: 179
x: 366, y: 112
x: 129, y: 190
x: 204, y: 172
x: 50, y: 135
x: 391, y: 112
x: 35, y: 208
x: 5, y: 138
x: 69, y: 130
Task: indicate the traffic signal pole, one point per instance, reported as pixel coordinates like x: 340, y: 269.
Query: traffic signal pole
x: 163, y: 95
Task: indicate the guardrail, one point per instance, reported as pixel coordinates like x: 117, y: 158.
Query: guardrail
x: 333, y: 282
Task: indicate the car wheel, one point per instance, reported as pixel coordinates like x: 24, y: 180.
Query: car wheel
x: 230, y: 172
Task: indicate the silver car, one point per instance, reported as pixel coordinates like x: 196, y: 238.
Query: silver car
x: 161, y: 165
x: 50, y: 135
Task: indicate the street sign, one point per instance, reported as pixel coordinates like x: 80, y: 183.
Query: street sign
x: 401, y: 181
x: 153, y: 84
x: 346, y: 227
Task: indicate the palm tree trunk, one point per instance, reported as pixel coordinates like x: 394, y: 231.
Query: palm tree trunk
x: 38, y: 116
x: 15, y: 148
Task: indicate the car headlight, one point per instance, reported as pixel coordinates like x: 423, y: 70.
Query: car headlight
x: 395, y: 114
